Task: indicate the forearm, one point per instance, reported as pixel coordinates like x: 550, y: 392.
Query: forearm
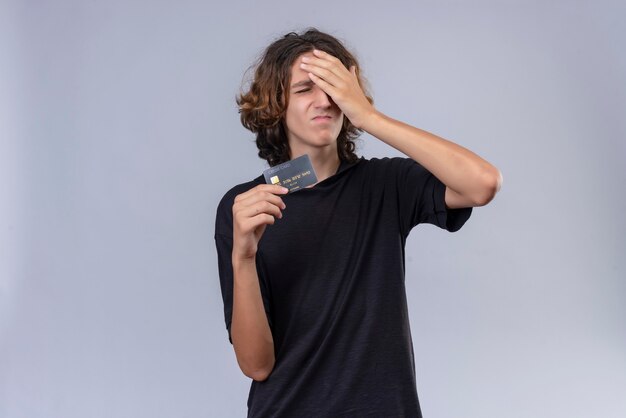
x: 463, y: 172
x: 458, y: 168
x: 250, y: 331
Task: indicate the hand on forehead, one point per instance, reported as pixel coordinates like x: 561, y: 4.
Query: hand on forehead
x: 318, y: 57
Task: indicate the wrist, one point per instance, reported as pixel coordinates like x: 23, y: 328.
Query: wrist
x: 242, y: 261
x: 370, y: 120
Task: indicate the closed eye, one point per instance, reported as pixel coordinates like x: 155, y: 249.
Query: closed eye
x: 303, y: 91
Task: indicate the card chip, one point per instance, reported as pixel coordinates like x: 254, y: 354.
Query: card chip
x: 294, y: 174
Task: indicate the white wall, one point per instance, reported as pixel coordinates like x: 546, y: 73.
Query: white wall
x: 119, y: 134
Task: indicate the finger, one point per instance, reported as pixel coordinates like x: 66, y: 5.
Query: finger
x: 335, y: 66
x: 261, y: 196
x: 258, y: 208
x: 247, y: 225
x: 324, y: 85
x: 336, y: 74
x: 271, y: 188
x: 325, y: 55
x: 330, y: 65
x: 261, y: 219
x: 328, y: 75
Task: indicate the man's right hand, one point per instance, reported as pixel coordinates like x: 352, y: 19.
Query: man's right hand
x: 252, y: 212
x: 251, y: 334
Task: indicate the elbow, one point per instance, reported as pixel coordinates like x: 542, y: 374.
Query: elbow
x: 491, y: 185
x: 258, y: 367
x: 255, y: 358
x: 260, y: 374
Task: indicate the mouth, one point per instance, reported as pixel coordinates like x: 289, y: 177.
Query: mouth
x: 322, y: 117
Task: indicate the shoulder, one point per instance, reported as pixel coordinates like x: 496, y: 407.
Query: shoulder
x: 390, y: 165
x: 229, y: 196
x: 224, y: 215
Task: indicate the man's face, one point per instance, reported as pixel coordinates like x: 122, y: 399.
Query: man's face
x: 312, y: 118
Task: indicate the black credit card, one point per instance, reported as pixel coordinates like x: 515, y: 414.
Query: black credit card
x: 294, y: 175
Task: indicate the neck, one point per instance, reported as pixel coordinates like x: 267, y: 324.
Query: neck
x: 325, y: 160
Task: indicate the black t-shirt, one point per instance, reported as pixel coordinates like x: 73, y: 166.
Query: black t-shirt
x: 331, y: 274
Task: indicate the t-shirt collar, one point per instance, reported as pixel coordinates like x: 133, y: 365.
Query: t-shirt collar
x: 344, y: 165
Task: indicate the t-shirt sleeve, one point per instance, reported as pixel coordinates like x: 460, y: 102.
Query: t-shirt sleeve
x: 421, y: 198
x: 224, y: 247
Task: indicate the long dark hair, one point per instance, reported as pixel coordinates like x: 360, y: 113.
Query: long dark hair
x: 263, y: 106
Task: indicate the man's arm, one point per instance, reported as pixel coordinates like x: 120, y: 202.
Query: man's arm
x: 470, y: 180
x: 250, y: 332
x: 249, y: 329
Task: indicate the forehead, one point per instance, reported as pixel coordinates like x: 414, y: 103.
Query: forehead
x: 297, y: 73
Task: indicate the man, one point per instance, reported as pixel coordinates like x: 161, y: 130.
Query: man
x: 313, y: 281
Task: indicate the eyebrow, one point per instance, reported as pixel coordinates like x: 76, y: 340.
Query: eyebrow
x: 302, y: 83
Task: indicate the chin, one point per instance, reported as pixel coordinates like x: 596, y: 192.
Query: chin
x: 316, y: 141
x: 326, y: 142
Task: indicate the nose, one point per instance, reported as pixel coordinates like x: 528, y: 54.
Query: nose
x: 322, y: 100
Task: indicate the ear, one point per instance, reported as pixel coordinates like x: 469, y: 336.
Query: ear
x: 353, y: 70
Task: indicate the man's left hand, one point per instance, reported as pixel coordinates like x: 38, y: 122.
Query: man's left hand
x: 341, y: 84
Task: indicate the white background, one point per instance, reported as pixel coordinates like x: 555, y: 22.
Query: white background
x: 119, y: 134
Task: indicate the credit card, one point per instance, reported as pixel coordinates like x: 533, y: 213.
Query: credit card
x: 294, y: 175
